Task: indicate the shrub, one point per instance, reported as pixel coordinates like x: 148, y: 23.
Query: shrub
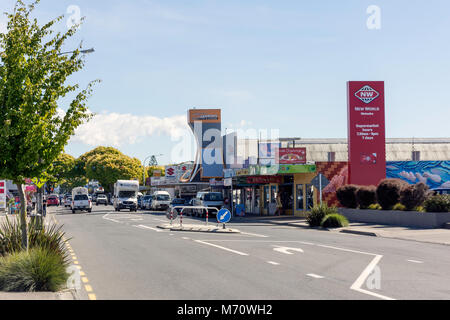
x: 399, y: 207
x: 347, y: 195
x: 413, y: 195
x: 388, y: 192
x: 375, y: 206
x: 419, y: 209
x: 437, y: 203
x: 334, y: 221
x: 318, y: 212
x: 39, y: 269
x: 46, y: 237
x: 366, y: 195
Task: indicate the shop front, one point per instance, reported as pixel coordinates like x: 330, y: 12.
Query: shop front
x: 255, y: 189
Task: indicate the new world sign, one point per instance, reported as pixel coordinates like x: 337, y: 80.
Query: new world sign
x: 366, y: 132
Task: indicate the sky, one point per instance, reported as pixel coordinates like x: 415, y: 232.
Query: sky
x: 269, y: 65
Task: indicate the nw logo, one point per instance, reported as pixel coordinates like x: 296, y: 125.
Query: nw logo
x: 366, y: 94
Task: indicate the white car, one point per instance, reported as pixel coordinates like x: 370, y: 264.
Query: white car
x: 81, y: 202
x: 67, y: 201
x: 161, y: 200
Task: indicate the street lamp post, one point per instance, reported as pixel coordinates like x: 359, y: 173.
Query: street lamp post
x: 143, y: 165
x: 81, y: 51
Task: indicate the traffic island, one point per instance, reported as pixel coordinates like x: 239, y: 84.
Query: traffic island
x: 198, y: 228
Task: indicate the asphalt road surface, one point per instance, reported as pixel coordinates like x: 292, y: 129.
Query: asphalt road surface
x: 123, y: 255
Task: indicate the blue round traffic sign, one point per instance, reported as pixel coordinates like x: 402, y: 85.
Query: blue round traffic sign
x: 223, y: 216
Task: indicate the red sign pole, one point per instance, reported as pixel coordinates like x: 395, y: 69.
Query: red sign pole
x: 366, y: 132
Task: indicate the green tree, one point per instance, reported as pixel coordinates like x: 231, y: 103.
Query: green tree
x: 33, y: 75
x: 61, y: 170
x: 108, y: 167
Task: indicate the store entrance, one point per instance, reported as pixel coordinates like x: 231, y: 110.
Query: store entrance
x: 286, y: 191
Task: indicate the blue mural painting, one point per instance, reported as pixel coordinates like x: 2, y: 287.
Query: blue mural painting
x: 436, y: 174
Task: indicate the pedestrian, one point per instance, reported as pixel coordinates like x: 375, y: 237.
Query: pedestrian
x: 279, y: 205
x: 33, y: 201
x: 44, y: 206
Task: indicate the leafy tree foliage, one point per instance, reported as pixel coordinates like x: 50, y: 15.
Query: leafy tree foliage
x: 33, y: 75
x: 107, y: 165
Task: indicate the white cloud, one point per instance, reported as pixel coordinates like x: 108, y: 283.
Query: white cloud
x: 116, y: 129
x: 3, y: 24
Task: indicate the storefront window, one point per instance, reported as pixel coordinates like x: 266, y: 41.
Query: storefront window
x: 309, y: 196
x: 299, y: 195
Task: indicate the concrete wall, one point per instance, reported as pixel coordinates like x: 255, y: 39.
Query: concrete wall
x: 397, y: 218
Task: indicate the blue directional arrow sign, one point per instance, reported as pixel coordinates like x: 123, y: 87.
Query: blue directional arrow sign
x: 224, y: 216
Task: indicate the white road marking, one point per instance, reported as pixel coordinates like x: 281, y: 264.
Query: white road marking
x: 110, y: 219
x: 223, y: 248
x: 255, y: 234
x: 356, y: 285
x: 415, y: 261
x: 286, y: 250
x: 312, y: 275
x: 147, y: 227
x: 185, y: 238
x: 137, y: 219
x: 360, y: 281
x: 273, y: 262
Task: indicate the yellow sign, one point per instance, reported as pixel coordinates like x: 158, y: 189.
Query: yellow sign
x: 39, y: 182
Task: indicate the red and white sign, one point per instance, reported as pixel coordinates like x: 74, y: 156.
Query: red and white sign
x: 2, y: 194
x: 366, y: 132
x: 366, y: 94
x: 292, y: 155
x: 171, y: 172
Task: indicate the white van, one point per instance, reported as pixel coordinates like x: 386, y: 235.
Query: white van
x: 80, y: 199
x: 160, y: 200
x: 125, y: 194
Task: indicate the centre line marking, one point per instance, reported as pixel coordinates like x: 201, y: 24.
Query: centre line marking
x: 255, y: 234
x: 415, y: 261
x: 147, y: 227
x: 273, y: 262
x: 223, y: 248
x: 312, y: 275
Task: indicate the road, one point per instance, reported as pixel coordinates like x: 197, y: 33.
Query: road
x: 123, y: 255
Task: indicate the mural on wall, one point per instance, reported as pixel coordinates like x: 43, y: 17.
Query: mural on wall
x: 337, y: 174
x: 436, y: 174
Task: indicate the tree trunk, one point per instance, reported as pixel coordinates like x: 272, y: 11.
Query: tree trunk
x: 23, y: 215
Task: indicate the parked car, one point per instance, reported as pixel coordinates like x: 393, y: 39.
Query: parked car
x: 160, y: 200
x: 139, y: 201
x: 178, y: 202
x: 208, y: 199
x: 52, y: 200
x: 146, y: 202
x: 67, y: 201
x: 101, y: 199
x: 188, y: 211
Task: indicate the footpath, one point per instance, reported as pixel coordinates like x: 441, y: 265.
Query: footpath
x: 438, y: 236
x: 61, y: 295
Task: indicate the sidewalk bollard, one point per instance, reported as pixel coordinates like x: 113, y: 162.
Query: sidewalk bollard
x: 181, y: 219
x: 171, y: 217
x: 206, y: 216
